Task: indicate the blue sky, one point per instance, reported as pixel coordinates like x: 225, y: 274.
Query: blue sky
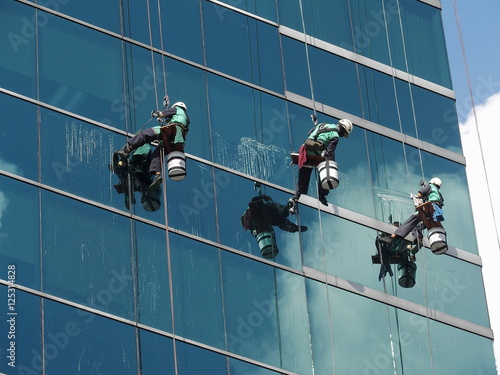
x: 480, y: 27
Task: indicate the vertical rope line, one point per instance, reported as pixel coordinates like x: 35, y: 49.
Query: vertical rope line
x: 476, y: 120
x: 426, y: 301
x: 133, y: 233
x: 162, y: 51
x: 395, y: 93
x: 152, y: 52
x: 165, y: 201
x: 422, y: 170
x: 307, y: 57
x: 405, y: 55
x: 169, y: 259
x: 408, y: 178
x: 39, y: 192
x: 207, y: 96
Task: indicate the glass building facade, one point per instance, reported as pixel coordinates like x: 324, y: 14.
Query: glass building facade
x: 90, y: 286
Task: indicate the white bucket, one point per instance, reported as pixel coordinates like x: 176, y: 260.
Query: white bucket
x: 328, y: 174
x: 176, y: 163
x: 437, y: 240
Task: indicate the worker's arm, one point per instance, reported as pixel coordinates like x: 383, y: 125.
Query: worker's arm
x: 330, y: 148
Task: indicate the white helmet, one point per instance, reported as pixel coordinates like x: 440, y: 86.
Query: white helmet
x: 347, y: 125
x: 436, y: 181
x: 180, y: 104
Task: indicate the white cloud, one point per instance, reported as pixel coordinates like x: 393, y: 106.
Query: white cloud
x: 488, y: 126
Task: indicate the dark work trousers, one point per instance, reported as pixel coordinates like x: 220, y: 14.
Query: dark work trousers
x: 143, y: 137
x: 303, y: 183
x: 405, y: 228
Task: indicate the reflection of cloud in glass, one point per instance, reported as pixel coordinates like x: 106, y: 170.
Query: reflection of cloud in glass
x: 9, y: 167
x: 4, y: 202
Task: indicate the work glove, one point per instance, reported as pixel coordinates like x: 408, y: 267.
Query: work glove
x: 155, y: 114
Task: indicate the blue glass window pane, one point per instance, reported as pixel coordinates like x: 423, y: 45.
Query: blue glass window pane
x: 95, y: 245
x: 327, y: 248
x: 428, y: 346
x: 449, y: 285
x: 190, y: 201
x: 261, y: 303
x: 20, y: 231
x: 105, y: 14
x: 17, y: 65
x: 22, y: 331
x: 289, y: 14
x: 335, y: 81
x: 207, y: 362
x: 157, y: 357
x: 458, y: 223
x: 197, y: 291
x: 369, y: 28
x: 258, y: 60
x: 153, y: 281
x: 131, y: 109
x: 179, y: 22
x: 327, y: 21
x: 21, y: 161
x: 437, y: 119
x: 75, y: 156
x: 237, y: 367
x: 252, y: 139
x: 90, y: 79
x: 459, y: 351
x: 77, y: 341
x: 344, y: 328
x: 391, y: 177
x: 424, y: 42
x: 262, y: 8
x: 295, y: 66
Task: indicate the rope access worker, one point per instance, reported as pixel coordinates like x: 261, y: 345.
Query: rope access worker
x: 322, y: 141
x: 429, y: 193
x: 173, y: 134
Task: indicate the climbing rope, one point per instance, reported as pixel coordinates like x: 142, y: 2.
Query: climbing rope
x: 307, y: 57
x: 163, y: 176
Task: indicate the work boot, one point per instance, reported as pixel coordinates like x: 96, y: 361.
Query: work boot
x: 302, y: 228
x: 124, y: 152
x: 155, y: 184
x: 292, y: 205
x: 323, y: 200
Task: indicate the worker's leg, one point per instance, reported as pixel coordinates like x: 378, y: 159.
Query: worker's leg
x: 303, y: 181
x: 144, y: 136
x: 407, y: 226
